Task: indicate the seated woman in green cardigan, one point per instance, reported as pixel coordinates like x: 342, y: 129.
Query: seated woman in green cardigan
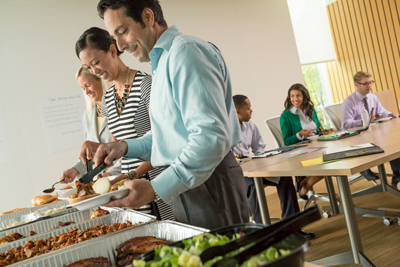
x: 298, y: 121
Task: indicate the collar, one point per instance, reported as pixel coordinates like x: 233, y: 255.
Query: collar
x: 360, y: 96
x: 165, y: 40
x: 293, y: 109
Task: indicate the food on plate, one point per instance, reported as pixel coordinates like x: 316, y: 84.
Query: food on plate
x: 99, y: 212
x: 102, y: 186
x: 324, y: 132
x: 119, y: 185
x: 61, y: 224
x: 66, y: 188
x: 73, y: 236
x: 11, y: 211
x: 84, y: 191
x: 132, y: 248
x: 92, y: 262
x: 41, y: 200
x: 10, y: 237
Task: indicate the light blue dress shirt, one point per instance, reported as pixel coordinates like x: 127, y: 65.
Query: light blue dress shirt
x: 193, y: 118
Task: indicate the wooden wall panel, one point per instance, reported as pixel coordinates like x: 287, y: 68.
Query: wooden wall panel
x: 366, y: 37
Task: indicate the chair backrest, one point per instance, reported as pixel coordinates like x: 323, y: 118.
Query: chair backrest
x: 335, y: 114
x: 274, y: 126
x: 387, y: 100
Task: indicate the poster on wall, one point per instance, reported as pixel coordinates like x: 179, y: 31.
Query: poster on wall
x: 61, y: 116
x: 6, y: 155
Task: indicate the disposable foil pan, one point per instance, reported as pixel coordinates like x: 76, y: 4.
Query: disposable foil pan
x: 42, y: 226
x: 18, y: 221
x: 105, y: 245
x: 116, y: 217
x: 32, y: 209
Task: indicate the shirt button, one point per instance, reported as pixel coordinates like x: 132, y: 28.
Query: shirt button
x: 154, y: 71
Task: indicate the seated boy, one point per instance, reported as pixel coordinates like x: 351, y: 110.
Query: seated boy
x: 251, y: 138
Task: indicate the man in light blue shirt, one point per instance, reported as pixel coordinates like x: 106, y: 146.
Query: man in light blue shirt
x: 193, y: 119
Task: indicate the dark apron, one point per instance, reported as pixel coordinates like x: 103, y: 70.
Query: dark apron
x: 220, y: 201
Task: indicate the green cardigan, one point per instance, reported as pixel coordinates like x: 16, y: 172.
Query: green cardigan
x: 290, y: 126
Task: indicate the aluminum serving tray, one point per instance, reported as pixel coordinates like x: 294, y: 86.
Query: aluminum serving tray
x: 116, y: 217
x: 105, y: 245
x: 47, y: 225
x: 33, y: 209
x: 26, y: 219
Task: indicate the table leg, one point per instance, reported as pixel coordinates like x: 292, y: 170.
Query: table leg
x: 262, y: 200
x: 356, y: 254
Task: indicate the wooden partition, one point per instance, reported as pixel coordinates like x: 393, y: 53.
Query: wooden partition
x: 366, y: 36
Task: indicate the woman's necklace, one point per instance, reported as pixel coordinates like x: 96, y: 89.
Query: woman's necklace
x: 98, y: 107
x: 120, y: 102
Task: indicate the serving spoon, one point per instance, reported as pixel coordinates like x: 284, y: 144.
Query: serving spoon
x: 50, y: 190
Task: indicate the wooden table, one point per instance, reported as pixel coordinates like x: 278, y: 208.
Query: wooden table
x: 384, y: 135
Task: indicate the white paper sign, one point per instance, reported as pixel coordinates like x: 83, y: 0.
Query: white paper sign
x: 5, y: 146
x: 62, y: 121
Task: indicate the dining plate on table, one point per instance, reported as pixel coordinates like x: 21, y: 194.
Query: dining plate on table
x: 383, y: 119
x: 99, y: 200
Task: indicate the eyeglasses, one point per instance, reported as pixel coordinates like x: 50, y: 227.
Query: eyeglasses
x: 369, y: 83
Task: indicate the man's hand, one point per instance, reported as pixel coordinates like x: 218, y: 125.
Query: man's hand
x: 394, y: 115
x: 373, y: 118
x: 141, y: 193
x: 68, y: 176
x: 305, y: 132
x: 108, y: 152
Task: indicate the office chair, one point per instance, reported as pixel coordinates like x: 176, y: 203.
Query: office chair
x: 273, y: 125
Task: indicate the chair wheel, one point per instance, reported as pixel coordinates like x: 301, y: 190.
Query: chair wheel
x: 326, y: 214
x: 387, y: 221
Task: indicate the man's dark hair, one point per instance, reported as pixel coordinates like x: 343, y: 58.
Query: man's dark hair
x: 95, y: 38
x: 134, y: 9
x: 239, y: 100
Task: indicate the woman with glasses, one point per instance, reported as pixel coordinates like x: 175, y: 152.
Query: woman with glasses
x: 298, y: 121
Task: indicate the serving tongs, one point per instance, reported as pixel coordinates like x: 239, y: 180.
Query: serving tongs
x: 88, y: 177
x: 263, y: 238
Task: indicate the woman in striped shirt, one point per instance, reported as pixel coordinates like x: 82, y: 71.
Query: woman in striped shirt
x: 125, y: 103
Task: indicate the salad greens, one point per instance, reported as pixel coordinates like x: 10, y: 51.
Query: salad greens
x: 167, y: 256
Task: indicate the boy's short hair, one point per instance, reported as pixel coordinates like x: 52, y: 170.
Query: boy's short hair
x: 239, y: 100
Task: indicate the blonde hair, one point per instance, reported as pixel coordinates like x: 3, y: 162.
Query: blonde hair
x: 89, y: 103
x: 361, y: 75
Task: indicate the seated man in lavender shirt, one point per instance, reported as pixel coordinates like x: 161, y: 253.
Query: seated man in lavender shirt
x: 351, y: 113
x: 251, y: 138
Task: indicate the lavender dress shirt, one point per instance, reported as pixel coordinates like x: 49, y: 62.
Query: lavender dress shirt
x: 352, y: 105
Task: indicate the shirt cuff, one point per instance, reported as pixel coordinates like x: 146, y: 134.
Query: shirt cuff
x: 299, y: 137
x: 168, y: 187
x: 135, y: 148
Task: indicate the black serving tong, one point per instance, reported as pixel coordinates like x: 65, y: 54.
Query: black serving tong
x: 263, y: 238
x: 88, y: 177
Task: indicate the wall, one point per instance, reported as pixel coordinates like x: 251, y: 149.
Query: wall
x: 365, y: 35
x: 37, y: 58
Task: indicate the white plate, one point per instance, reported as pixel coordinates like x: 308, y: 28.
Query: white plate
x: 383, y: 119
x: 100, y: 200
x: 64, y: 195
x: 314, y: 137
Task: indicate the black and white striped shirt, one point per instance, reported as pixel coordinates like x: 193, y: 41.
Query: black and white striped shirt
x: 133, y: 122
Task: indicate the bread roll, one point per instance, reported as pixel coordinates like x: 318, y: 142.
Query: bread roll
x: 41, y: 200
x: 33, y: 201
x: 79, y: 199
x: 102, y: 185
x: 11, y: 211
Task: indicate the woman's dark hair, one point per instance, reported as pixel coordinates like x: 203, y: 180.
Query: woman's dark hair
x: 239, y: 100
x: 134, y: 9
x: 95, y: 38
x: 308, y: 105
